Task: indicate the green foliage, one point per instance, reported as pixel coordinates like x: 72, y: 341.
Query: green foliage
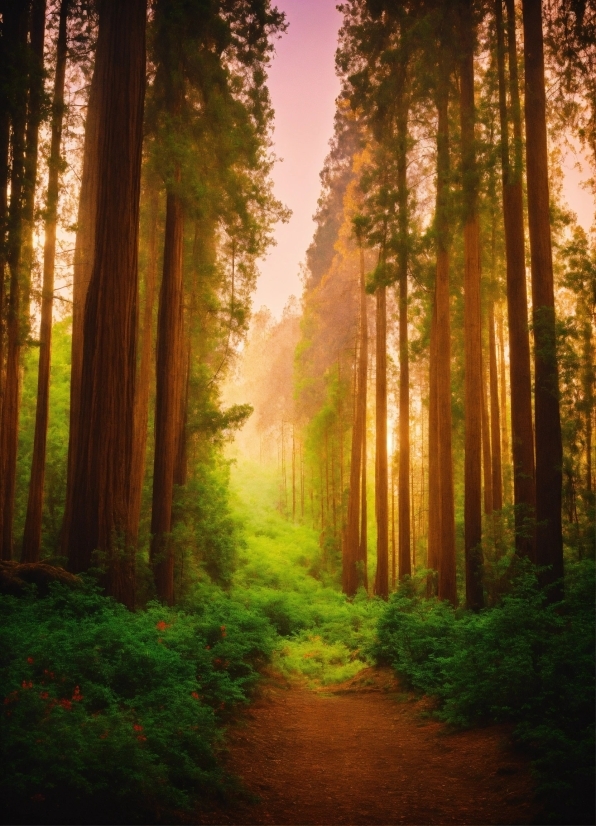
x: 281, y: 576
x: 523, y: 661
x: 111, y: 716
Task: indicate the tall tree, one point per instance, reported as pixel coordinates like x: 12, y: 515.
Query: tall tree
x: 381, y: 464
x: 32, y: 534
x: 402, y: 104
x: 102, y: 462
x: 15, y: 21
x: 81, y: 276
x: 472, y: 318
x: 549, y: 448
x: 447, y: 586
x: 522, y: 430
x: 352, y: 544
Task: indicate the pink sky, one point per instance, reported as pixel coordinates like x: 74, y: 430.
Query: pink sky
x: 303, y: 88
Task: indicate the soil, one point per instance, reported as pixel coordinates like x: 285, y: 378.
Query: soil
x: 367, y: 752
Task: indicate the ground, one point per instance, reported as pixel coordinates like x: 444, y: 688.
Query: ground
x: 367, y: 752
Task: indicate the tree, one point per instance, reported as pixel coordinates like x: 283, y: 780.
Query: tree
x: 517, y: 300
x: 15, y: 24
x: 472, y: 322
x: 32, y: 535
x: 549, y: 449
x: 102, y: 461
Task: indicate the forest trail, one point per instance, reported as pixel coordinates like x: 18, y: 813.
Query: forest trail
x: 364, y: 753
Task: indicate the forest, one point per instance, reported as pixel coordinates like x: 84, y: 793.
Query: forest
x: 387, y: 495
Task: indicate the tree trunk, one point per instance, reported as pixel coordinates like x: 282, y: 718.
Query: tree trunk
x: 34, y: 116
x: 517, y: 300
x: 143, y: 383
x: 32, y: 534
x: 447, y: 587
x: 487, y: 464
x: 472, y: 323
x: 181, y: 461
x: 102, y: 463
x: 81, y: 276
x: 434, y: 494
x: 167, y: 400
x: 352, y: 555
x: 495, y: 418
x: 405, y: 567
x: 549, y: 450
x: 15, y: 21
x: 381, y: 480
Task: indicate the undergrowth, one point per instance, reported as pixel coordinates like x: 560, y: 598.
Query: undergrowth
x: 282, y: 575
x: 111, y: 716
x: 524, y: 661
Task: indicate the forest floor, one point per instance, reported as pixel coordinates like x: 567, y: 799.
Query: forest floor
x: 366, y: 752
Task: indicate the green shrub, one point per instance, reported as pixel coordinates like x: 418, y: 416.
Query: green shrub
x: 524, y: 661
x: 111, y: 716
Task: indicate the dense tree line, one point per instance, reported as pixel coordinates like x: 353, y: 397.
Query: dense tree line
x: 441, y: 129
x: 164, y: 184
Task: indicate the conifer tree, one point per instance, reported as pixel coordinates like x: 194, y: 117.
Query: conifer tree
x: 549, y: 449
x: 32, y: 534
x: 102, y: 461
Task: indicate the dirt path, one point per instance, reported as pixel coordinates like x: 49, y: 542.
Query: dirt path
x: 364, y: 754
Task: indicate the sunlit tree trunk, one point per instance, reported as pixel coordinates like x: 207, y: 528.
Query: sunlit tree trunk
x: 447, y: 587
x: 34, y: 117
x: 102, y: 464
x: 32, y: 534
x: 472, y: 322
x: 517, y: 299
x: 167, y: 400
x: 352, y: 547
x: 404, y: 567
x: 549, y: 450
x: 181, y: 461
x: 15, y: 22
x: 434, y: 495
x: 143, y: 381
x: 381, y: 480
x: 495, y: 417
x: 81, y: 276
x: 486, y: 451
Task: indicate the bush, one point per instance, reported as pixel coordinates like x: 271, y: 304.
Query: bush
x: 111, y: 716
x: 523, y: 661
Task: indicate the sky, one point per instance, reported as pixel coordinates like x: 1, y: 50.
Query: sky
x: 303, y: 88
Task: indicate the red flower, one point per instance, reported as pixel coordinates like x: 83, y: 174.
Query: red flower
x: 30, y: 660
x: 195, y: 695
x: 66, y: 704
x: 161, y: 625
x: 77, y: 696
x: 27, y: 684
x: 137, y: 727
x: 44, y: 695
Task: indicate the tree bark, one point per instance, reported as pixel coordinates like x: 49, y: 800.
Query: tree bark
x: 32, y: 533
x: 15, y: 21
x: 352, y: 554
x: 522, y: 431
x: 102, y: 463
x: 81, y: 276
x: 167, y: 400
x: 549, y: 449
x: 405, y: 565
x: 495, y: 415
x: 143, y: 383
x: 487, y: 464
x: 381, y: 480
x: 34, y: 116
x: 434, y: 495
x: 472, y: 322
x: 447, y: 586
